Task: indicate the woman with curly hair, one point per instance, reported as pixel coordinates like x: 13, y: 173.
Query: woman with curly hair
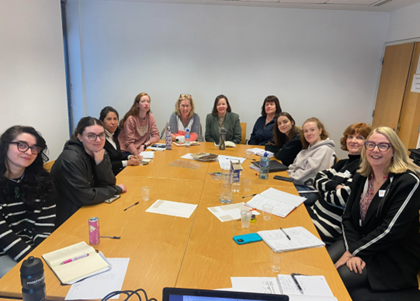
x: 27, y: 195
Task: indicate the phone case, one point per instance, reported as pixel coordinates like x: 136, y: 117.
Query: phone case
x: 246, y: 238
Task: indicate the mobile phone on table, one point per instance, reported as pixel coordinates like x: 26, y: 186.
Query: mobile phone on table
x: 159, y: 145
x: 246, y: 238
x: 110, y: 200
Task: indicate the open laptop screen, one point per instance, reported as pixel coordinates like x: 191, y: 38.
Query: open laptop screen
x: 182, y: 294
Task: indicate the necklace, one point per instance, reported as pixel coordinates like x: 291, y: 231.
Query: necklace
x: 19, y: 179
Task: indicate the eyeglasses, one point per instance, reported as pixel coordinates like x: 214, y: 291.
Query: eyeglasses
x: 23, y: 147
x: 382, y: 147
x: 93, y: 137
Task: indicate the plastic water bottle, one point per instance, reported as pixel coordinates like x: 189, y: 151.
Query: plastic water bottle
x: 32, y: 279
x: 168, y: 138
x: 264, y: 166
x: 187, y: 138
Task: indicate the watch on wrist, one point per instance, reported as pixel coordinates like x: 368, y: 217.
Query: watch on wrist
x: 145, y: 146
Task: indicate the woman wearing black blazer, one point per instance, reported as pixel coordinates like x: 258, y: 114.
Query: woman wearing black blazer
x: 380, y: 251
x: 109, y: 116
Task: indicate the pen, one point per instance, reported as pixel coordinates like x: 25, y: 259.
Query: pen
x: 297, y: 283
x: 288, y: 237
x: 131, y: 206
x: 74, y: 259
x: 248, y: 196
x: 111, y: 237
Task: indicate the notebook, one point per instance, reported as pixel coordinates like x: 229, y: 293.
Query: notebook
x: 274, y: 166
x: 180, y: 294
x: 76, y: 262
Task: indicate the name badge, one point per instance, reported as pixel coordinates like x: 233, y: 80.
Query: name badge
x: 381, y: 193
x: 347, y: 173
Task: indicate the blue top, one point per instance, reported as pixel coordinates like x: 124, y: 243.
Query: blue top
x: 262, y: 133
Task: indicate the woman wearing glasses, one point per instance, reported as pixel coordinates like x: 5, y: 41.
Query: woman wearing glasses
x: 184, y: 118
x: 27, y: 195
x: 138, y: 127
x: 83, y: 171
x: 109, y: 117
x: 379, y: 256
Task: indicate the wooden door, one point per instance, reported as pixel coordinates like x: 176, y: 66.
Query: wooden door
x: 392, y: 85
x: 410, y: 112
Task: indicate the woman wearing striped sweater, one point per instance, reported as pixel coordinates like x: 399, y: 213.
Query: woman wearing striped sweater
x: 334, y: 184
x: 27, y: 195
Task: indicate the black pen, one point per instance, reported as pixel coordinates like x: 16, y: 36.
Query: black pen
x: 297, y: 283
x: 131, y: 206
x: 288, y: 237
x: 248, y: 196
x: 111, y: 237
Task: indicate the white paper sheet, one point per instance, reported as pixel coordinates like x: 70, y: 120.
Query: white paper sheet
x: 283, y: 203
x: 99, y: 286
x: 224, y: 161
x: 147, y: 155
x: 172, y: 208
x: 230, y: 212
x: 266, y: 285
x: 260, y: 152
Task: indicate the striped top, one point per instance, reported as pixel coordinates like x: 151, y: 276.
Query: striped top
x: 23, y: 226
x: 327, y: 211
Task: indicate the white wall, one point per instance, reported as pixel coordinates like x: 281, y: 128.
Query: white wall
x: 404, y: 24
x: 319, y: 63
x: 32, y: 78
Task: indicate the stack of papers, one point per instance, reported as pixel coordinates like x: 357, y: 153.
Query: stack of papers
x: 298, y: 238
x: 260, y: 152
x: 315, y: 288
x: 283, y: 203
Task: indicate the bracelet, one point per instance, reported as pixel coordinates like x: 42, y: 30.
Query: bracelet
x: 145, y: 146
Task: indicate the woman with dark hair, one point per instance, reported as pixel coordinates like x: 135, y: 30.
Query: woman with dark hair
x: 138, y: 127
x: 27, y: 195
x: 286, y: 143
x: 83, y: 171
x: 263, y: 128
x: 222, y: 117
x: 184, y: 118
x: 379, y: 255
x: 334, y: 184
x: 317, y: 154
x: 109, y: 117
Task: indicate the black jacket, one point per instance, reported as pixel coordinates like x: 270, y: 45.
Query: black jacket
x: 287, y: 152
x: 115, y: 154
x: 388, y: 240
x: 80, y: 181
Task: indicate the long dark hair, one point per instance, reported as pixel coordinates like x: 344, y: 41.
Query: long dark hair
x: 37, y: 182
x: 83, y: 124
x: 279, y: 138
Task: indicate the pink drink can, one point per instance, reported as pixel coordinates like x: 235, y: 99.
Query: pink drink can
x: 93, y: 230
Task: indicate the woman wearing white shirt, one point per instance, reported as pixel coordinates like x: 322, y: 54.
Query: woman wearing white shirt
x: 109, y: 116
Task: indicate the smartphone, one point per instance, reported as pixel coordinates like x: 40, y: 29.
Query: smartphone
x: 159, y: 145
x: 109, y: 201
x: 246, y: 238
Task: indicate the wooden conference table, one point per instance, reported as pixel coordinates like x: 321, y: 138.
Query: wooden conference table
x: 197, y: 252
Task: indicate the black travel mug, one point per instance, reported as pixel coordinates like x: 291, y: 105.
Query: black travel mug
x: 32, y: 278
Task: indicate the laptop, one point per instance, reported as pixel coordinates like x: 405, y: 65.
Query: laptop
x: 184, y: 294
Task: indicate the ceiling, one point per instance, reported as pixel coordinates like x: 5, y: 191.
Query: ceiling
x: 361, y: 5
